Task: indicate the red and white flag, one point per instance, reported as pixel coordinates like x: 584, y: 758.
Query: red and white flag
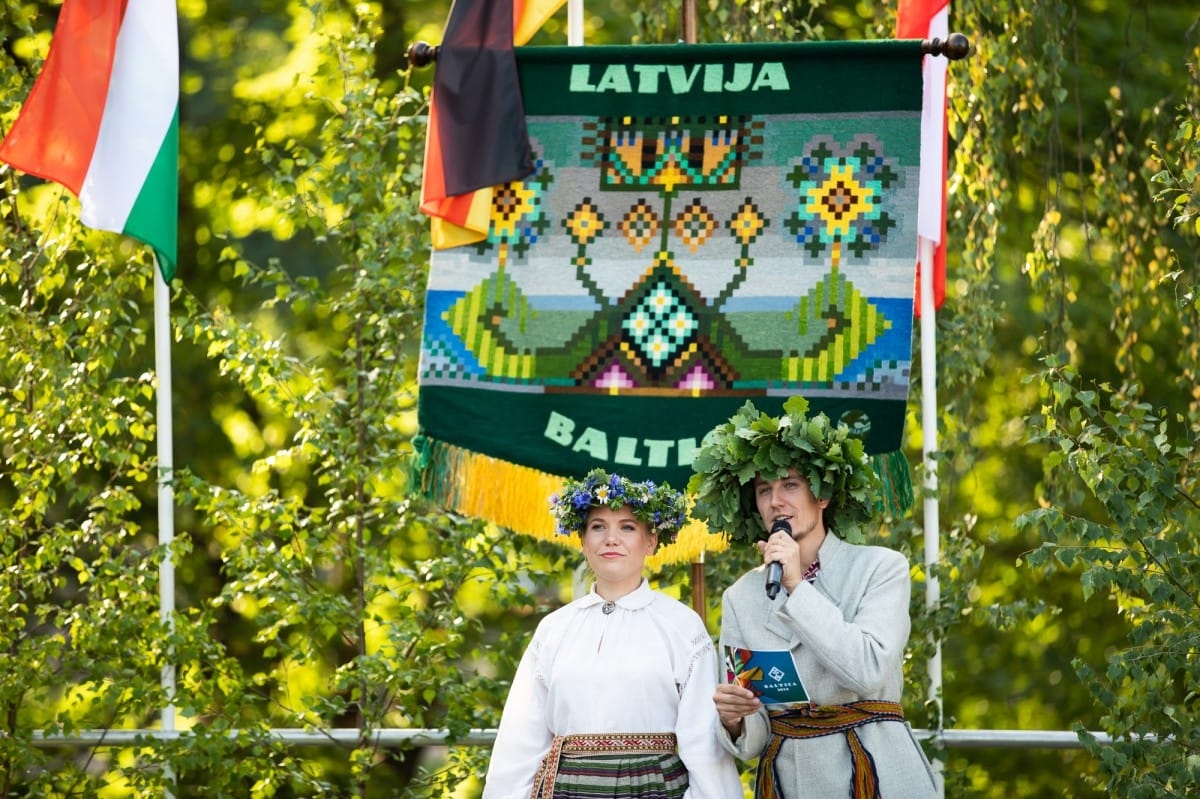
x: 926, y: 19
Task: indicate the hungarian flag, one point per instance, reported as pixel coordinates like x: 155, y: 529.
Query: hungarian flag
x: 476, y: 137
x: 103, y: 119
x: 926, y: 19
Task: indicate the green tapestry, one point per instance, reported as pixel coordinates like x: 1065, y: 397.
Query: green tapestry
x: 705, y: 224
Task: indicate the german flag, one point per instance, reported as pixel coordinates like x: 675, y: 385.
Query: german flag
x: 476, y: 137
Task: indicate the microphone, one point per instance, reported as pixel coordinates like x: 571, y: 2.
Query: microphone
x: 775, y: 568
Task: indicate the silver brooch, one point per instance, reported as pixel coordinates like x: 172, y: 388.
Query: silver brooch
x: 608, y: 607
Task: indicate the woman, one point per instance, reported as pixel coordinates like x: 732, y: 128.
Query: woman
x: 613, y: 696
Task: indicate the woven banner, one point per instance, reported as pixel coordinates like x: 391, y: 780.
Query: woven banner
x: 705, y: 224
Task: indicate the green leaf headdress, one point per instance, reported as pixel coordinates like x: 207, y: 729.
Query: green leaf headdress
x: 659, y: 506
x: 752, y: 443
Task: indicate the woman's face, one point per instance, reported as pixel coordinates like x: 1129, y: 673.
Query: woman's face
x: 616, y: 545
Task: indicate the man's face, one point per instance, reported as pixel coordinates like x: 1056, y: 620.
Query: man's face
x: 789, y: 498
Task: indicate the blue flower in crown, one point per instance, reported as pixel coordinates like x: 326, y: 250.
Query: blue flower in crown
x: 660, y: 507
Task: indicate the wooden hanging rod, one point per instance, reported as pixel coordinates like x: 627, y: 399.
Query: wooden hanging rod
x: 955, y: 47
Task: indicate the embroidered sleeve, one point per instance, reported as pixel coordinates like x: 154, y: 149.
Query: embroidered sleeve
x: 700, y: 645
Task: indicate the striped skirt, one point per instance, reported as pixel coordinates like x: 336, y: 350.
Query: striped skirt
x: 591, y: 770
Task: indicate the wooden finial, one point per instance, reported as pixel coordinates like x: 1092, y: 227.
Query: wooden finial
x: 955, y: 47
x: 421, y: 54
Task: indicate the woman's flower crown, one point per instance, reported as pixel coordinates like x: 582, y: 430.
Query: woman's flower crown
x: 660, y: 507
x: 751, y: 443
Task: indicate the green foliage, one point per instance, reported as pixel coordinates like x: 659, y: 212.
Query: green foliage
x: 1178, y: 180
x: 1138, y: 549
x: 80, y: 635
x: 1130, y: 468
x: 351, y: 596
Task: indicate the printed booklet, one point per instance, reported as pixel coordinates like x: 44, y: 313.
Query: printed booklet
x: 770, y: 673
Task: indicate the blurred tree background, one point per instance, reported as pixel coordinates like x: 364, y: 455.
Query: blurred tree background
x: 314, y: 592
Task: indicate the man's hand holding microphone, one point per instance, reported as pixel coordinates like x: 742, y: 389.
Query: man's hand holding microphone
x: 782, y: 556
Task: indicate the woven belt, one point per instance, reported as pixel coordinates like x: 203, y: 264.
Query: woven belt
x: 638, y: 743
x: 815, y: 721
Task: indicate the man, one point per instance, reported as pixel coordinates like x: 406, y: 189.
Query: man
x: 799, y: 487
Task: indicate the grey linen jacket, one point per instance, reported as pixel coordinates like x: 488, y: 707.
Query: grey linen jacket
x: 847, y: 631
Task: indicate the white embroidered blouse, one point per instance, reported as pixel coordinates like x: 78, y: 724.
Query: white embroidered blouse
x: 647, y: 666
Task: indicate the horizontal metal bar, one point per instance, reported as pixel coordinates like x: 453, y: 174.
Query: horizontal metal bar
x: 950, y: 739
x: 1010, y: 739
x: 345, y: 736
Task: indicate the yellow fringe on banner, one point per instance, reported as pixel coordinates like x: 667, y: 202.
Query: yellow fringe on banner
x: 689, y: 546
x: 518, y: 498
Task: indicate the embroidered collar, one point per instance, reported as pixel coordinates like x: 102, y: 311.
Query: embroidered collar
x: 636, y: 599
x: 811, y: 572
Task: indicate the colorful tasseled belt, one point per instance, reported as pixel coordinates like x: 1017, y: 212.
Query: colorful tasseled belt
x: 814, y: 721
x: 638, y: 743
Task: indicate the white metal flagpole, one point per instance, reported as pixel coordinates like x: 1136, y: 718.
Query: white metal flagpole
x: 166, y: 493
x: 929, y: 445
x: 575, y: 22
x: 930, y: 230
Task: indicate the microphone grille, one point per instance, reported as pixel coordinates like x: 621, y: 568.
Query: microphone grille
x: 781, y: 525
